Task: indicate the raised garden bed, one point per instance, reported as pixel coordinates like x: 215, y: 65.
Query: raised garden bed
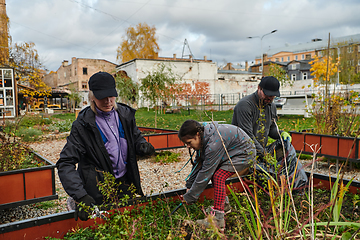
x: 162, y: 139
x: 331, y: 146
x: 26, y: 186
x: 57, y: 225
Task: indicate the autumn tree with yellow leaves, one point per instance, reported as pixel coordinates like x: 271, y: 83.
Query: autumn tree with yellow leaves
x: 28, y: 69
x: 139, y: 42
x: 333, y: 113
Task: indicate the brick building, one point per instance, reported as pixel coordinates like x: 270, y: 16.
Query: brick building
x: 76, y: 75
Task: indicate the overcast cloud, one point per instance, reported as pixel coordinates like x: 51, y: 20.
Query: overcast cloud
x: 62, y: 29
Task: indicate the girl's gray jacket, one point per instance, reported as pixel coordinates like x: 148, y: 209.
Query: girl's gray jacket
x: 239, y: 146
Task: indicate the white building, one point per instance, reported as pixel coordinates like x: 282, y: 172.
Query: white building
x: 194, y: 70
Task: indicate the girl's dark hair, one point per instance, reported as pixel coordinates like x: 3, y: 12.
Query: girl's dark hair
x: 190, y: 128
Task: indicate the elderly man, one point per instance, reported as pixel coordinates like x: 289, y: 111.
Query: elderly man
x: 103, y: 138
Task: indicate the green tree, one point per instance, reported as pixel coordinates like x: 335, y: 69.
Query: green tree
x: 128, y: 90
x: 139, y: 42
x: 156, y: 85
x: 75, y: 98
x: 280, y: 73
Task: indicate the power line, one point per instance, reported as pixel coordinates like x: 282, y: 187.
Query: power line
x: 50, y: 35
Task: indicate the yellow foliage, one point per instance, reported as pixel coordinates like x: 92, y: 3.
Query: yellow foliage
x: 28, y: 69
x: 321, y: 70
x: 139, y: 42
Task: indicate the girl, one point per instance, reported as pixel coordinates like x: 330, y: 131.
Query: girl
x: 212, y: 162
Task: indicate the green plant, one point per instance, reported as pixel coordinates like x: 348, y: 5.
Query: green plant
x: 44, y: 205
x: 29, y: 134
x: 32, y: 120
x: 167, y: 157
x: 61, y: 126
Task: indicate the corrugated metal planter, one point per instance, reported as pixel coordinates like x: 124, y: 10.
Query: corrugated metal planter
x: 331, y: 146
x: 162, y: 139
x: 57, y: 225
x: 26, y: 186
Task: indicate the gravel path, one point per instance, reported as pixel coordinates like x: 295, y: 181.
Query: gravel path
x: 155, y: 178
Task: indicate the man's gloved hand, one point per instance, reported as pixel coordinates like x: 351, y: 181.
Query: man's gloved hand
x: 146, y: 148
x: 83, y: 214
x: 285, y: 136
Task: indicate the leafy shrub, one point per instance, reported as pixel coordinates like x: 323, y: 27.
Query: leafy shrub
x: 15, y: 155
x: 32, y: 120
x: 167, y: 157
x: 29, y: 134
x: 61, y: 126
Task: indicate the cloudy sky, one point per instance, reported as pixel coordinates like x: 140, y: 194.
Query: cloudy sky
x: 218, y: 29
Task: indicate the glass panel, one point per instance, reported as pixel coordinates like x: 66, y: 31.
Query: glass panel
x: 1, y: 97
x: 1, y: 73
x: 1, y: 82
x: 7, y: 74
x: 9, y: 112
x: 9, y: 97
x: 8, y: 82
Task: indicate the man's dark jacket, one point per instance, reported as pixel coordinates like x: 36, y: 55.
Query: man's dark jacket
x: 86, y: 148
x: 256, y: 120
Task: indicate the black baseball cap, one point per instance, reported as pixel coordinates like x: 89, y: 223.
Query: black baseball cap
x: 270, y: 86
x: 102, y: 84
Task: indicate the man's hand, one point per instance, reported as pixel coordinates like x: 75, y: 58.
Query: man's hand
x: 83, y: 214
x: 286, y: 136
x: 146, y: 148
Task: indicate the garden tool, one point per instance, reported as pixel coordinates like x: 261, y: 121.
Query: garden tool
x: 176, y: 208
x: 97, y: 213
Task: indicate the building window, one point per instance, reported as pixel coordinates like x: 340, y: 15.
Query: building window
x: 276, y: 59
x: 293, y: 66
x: 293, y: 77
x: 282, y: 59
x: 296, y: 57
x: 302, y: 56
x: 358, y: 62
x: 350, y: 49
x: 64, y: 74
x: 288, y: 59
x: 308, y: 56
x: 358, y: 48
x: 84, y: 85
x: 304, y: 76
x: 85, y: 71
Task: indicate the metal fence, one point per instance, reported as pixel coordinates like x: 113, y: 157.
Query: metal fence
x: 226, y: 101
x: 218, y: 102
